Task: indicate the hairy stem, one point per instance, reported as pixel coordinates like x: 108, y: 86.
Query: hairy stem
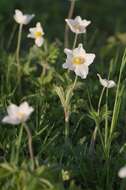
x: 18, y: 51
x: 70, y: 14
x: 30, y: 144
x: 19, y: 143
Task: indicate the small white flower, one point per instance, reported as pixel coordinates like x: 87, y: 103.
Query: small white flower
x: 106, y: 83
x: 18, y: 114
x: 78, y: 25
x: 122, y: 172
x: 21, y: 18
x: 78, y: 61
x: 37, y: 34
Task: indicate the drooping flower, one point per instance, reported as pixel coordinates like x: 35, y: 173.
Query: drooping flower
x: 21, y: 18
x: 122, y: 172
x: 78, y: 25
x: 106, y: 83
x: 18, y: 114
x: 78, y: 61
x: 37, y: 34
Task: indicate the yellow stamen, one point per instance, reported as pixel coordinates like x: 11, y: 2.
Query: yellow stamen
x: 78, y: 60
x: 38, y: 34
x: 21, y: 115
x: 77, y: 27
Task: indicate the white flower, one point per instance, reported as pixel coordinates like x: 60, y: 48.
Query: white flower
x: 18, y: 114
x: 106, y: 83
x: 78, y: 25
x: 37, y: 34
x: 122, y: 172
x: 21, y: 18
x: 78, y: 61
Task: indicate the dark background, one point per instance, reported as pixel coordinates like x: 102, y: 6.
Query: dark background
x: 107, y: 16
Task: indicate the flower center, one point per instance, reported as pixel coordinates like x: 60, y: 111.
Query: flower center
x: 77, y: 27
x: 78, y: 60
x: 21, y: 115
x: 38, y: 34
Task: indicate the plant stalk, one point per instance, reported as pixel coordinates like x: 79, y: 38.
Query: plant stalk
x: 30, y: 145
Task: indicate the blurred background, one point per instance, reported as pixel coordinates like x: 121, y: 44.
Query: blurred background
x: 108, y: 16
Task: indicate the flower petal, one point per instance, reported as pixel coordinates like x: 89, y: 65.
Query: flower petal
x: 12, y: 109
x: 79, y: 51
x: 39, y: 41
x: 89, y: 58
x: 25, y: 108
x: 122, y: 172
x: 81, y: 71
x: 11, y: 120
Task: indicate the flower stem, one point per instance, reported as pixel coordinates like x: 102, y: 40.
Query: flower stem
x: 66, y: 126
x: 18, y: 50
x: 30, y: 144
x: 67, y: 113
x: 19, y: 143
x: 100, y: 100
x: 70, y: 14
x: 97, y: 129
x: 75, y: 41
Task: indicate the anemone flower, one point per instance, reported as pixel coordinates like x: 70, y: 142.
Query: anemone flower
x: 18, y: 114
x: 78, y: 61
x: 78, y: 25
x: 37, y: 34
x: 21, y: 18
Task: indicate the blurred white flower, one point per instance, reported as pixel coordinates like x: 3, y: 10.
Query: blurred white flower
x: 122, y: 172
x: 78, y: 61
x: 106, y: 83
x: 21, y: 18
x: 37, y: 34
x: 18, y: 114
x: 78, y: 25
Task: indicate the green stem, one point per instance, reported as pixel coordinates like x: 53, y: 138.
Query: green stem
x: 18, y: 50
x: 30, y: 144
x: 100, y: 100
x: 67, y: 114
x: 66, y: 127
x: 75, y: 41
x: 74, y: 84
x: 106, y: 120
x: 19, y: 143
x: 97, y: 128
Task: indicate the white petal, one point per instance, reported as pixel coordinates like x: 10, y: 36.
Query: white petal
x: 25, y: 108
x: 106, y: 83
x: 30, y: 35
x: 18, y: 16
x: 12, y: 109
x: 18, y: 13
x: 122, y: 172
x: 79, y: 51
x: 68, y: 65
x: 89, y: 58
x: 78, y: 19
x: 11, y: 120
x: 71, y: 24
x: 86, y: 22
x: 81, y: 71
x: 67, y: 51
x: 39, y: 41
x: 39, y: 28
x: 27, y: 18
x: 111, y: 84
